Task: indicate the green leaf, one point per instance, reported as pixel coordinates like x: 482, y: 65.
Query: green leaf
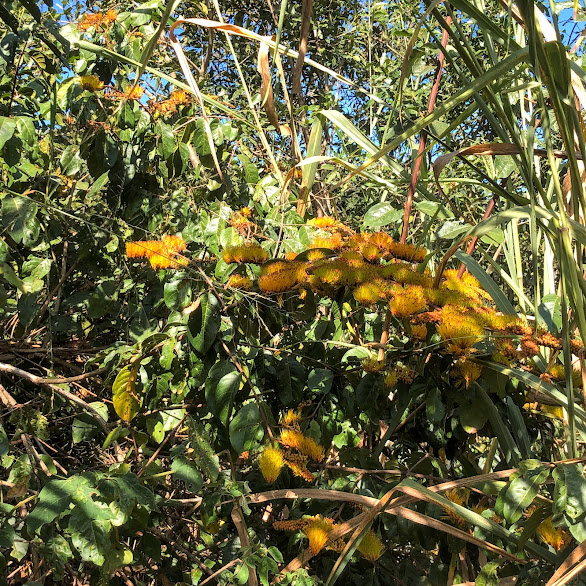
x: 7, y: 128
x: 320, y: 380
x: 206, y: 322
x: 85, y: 427
x: 221, y: 387
x: 90, y: 538
x: 54, y: 499
x: 126, y: 402
x: 167, y: 140
x: 380, y: 215
x: 185, y: 470
x: 98, y: 184
x: 203, y: 453
x: 19, y: 217
x: 434, y: 407
x: 519, y: 493
x: 246, y: 429
x: 473, y: 416
x: 70, y: 160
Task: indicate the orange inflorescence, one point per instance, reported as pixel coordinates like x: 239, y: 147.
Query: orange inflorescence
x: 467, y: 371
x: 372, y: 365
x: 291, y: 419
x: 318, y: 531
x: 291, y: 438
x: 300, y: 470
x: 460, y: 330
x: 246, y: 253
x: 310, y: 448
x: 96, y: 20
x: 170, y: 105
x: 162, y: 254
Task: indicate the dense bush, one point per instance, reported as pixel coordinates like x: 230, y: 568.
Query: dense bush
x: 230, y: 356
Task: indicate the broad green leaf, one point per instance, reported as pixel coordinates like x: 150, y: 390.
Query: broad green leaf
x: 186, y: 471
x: 221, y: 387
x: 381, y: 214
x: 54, y: 500
x: 90, y: 538
x: 19, y: 217
x: 204, y: 323
x: 125, y: 399
x: 521, y: 490
x: 320, y: 380
x: 70, y: 160
x: 435, y: 408
x: 7, y: 128
x: 246, y: 429
x: 167, y: 140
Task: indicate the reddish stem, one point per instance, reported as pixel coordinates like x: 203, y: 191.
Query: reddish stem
x: 422, y: 140
x: 474, y: 240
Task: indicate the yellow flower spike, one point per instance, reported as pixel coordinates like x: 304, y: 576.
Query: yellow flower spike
x: 407, y: 252
x: 460, y: 330
x: 240, y: 282
x: 407, y: 301
x: 300, y: 470
x: 270, y: 462
x: 467, y: 371
x: 382, y: 240
x: 279, y: 281
x: 419, y: 331
x: 290, y: 524
x: 246, y: 212
x: 556, y: 537
x: 390, y: 379
x: 367, y: 293
x: 310, y: 448
x: 371, y: 547
x: 325, y: 222
x: 318, y: 531
x: 372, y: 365
x: 370, y: 252
x: 291, y: 419
x: 334, y: 242
x: 246, y: 253
x: 91, y: 83
x: 291, y: 438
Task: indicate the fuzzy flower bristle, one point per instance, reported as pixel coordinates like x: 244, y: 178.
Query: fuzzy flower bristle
x: 162, y: 254
x: 334, y: 242
x: 310, y: 448
x: 460, y: 330
x: 290, y: 524
x: 291, y: 419
x: 291, y: 438
x: 240, y: 282
x: 246, y: 253
x: 419, y: 331
x: 270, y: 462
x: 467, y: 371
x: 318, y: 531
x: 281, y: 281
x: 407, y: 252
x: 371, y: 547
x: 407, y: 301
x: 382, y: 240
x: 370, y: 251
x: 324, y: 222
x: 91, y: 83
x: 300, y: 470
x: 367, y: 293
x: 372, y: 365
x: 556, y: 537
x: 390, y: 379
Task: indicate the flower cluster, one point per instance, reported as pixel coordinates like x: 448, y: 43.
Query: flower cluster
x: 96, y: 20
x: 162, y: 254
x: 170, y: 106
x: 91, y: 83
